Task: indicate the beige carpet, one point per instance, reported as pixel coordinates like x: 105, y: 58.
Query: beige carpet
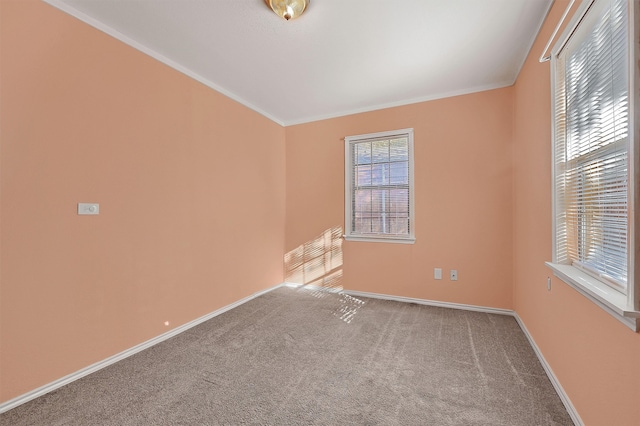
x: 297, y: 357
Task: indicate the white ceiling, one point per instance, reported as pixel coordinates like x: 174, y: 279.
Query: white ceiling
x: 338, y: 58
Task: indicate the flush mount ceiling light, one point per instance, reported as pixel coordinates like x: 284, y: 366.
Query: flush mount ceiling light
x: 288, y: 9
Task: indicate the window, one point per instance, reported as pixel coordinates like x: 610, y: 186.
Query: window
x: 592, y: 168
x: 379, y: 187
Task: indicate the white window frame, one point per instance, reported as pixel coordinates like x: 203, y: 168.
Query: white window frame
x: 387, y: 238
x: 623, y: 307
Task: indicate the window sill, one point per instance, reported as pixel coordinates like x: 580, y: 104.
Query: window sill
x: 380, y: 239
x: 612, y: 301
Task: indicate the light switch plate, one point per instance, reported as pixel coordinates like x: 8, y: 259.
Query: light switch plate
x: 88, y: 208
x: 437, y: 273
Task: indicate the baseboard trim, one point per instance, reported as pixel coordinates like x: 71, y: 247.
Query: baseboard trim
x: 19, y: 400
x: 12, y: 403
x: 451, y: 305
x: 573, y: 413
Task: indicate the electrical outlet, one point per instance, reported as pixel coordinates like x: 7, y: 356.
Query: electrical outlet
x: 88, y: 208
x: 437, y: 273
x: 454, y: 275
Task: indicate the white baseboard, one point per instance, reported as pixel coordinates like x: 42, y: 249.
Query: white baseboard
x: 552, y: 377
x: 12, y: 403
x: 8, y: 405
x: 547, y: 368
x: 462, y: 306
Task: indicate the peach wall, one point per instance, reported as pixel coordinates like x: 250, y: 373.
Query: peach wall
x: 190, y: 185
x: 85, y: 118
x: 463, y: 198
x: 596, y: 358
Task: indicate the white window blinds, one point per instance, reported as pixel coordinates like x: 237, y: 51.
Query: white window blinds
x: 379, y: 185
x: 592, y: 144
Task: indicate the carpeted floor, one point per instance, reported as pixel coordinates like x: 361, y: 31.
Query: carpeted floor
x: 297, y: 357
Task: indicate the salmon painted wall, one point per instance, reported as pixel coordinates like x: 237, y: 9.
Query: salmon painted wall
x: 596, y: 358
x: 190, y: 184
x: 463, y: 199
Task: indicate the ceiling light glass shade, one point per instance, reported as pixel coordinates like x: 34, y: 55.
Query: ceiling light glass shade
x: 288, y: 9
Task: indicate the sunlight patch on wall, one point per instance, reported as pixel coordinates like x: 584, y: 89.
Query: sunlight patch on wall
x: 317, y: 264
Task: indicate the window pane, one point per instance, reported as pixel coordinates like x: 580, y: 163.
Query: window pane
x: 380, y: 151
x: 379, y: 199
x: 602, y: 215
x: 399, y: 201
x: 377, y: 225
x: 363, y: 153
x: 380, y: 174
x: 399, y: 225
x: 399, y: 173
x: 362, y: 201
x: 363, y: 175
x: 362, y: 225
x: 399, y: 149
